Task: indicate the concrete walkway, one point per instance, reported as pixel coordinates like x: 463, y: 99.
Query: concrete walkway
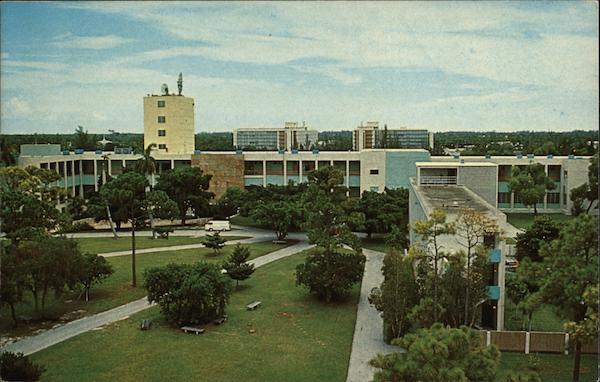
x: 53, y: 336
x: 181, y: 247
x: 368, y: 331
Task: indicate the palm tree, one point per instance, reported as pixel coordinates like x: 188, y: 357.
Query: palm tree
x: 146, y: 165
x: 110, y: 221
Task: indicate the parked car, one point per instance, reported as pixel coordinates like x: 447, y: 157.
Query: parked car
x: 511, y: 264
x: 218, y: 225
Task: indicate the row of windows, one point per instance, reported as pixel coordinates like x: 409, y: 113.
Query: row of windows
x: 551, y: 198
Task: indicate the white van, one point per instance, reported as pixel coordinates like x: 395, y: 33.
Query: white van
x: 218, y: 225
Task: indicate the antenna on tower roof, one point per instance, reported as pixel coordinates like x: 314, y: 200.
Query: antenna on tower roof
x: 180, y: 83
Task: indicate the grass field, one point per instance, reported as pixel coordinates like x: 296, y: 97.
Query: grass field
x: 524, y: 221
x: 297, y: 339
x: 553, y: 367
x: 108, y: 244
x: 543, y: 320
x: 117, y: 290
x: 376, y: 244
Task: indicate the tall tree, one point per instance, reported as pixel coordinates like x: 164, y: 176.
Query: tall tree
x: 397, y: 294
x: 128, y: 192
x: 214, y: 242
x: 573, y: 259
x: 230, y: 202
x: 83, y: 140
x: 146, y: 166
x: 430, y: 230
x: 384, y: 210
x: 543, y: 230
x: 13, y: 281
x: 328, y: 212
x: 471, y: 228
x: 530, y: 184
x: 187, y: 186
x: 95, y: 269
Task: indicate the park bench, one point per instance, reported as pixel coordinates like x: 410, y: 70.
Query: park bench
x: 220, y: 320
x: 253, y: 305
x: 192, y: 329
x: 163, y: 232
x: 145, y: 325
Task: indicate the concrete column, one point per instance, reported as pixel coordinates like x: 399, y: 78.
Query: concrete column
x: 488, y: 338
x: 527, y: 341
x: 65, y: 169
x: 284, y: 170
x: 300, y: 171
x: 566, y: 343
x: 172, y: 164
x: 546, y: 194
x: 502, y: 286
x: 72, y: 177
x: 95, y: 175
x: 81, y: 178
x: 264, y: 173
x: 347, y: 173
x: 109, y: 164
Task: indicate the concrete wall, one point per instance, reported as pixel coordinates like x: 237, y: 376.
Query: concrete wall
x: 372, y: 160
x: 481, y: 180
x: 415, y: 211
x: 179, y: 124
x: 226, y: 170
x: 400, y: 166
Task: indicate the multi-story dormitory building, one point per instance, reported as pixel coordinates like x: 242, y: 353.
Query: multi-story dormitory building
x: 450, y: 183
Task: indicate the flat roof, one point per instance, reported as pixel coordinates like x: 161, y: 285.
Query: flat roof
x: 452, y: 199
x: 455, y: 164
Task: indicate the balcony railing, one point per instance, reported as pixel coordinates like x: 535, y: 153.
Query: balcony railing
x: 438, y: 179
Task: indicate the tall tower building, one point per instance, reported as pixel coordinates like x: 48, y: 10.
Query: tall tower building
x: 169, y: 122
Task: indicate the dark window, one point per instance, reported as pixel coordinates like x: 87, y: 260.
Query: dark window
x: 374, y: 171
x: 161, y: 103
x: 162, y: 133
x: 504, y: 197
x: 162, y: 119
x: 162, y: 146
x: 553, y: 198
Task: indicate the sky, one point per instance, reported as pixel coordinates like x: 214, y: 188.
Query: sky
x: 443, y: 66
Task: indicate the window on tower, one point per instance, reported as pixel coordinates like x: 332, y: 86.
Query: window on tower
x: 162, y: 146
x: 162, y: 119
x: 161, y: 103
x: 162, y: 133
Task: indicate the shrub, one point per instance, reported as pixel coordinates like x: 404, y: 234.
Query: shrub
x: 188, y: 294
x: 237, y: 266
x: 330, y: 275
x: 17, y: 367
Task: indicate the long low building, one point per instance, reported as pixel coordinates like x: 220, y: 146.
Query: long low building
x: 365, y: 170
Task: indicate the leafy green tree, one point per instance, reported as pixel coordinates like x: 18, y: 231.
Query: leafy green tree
x: 396, y: 296
x: 83, y: 140
x: 328, y: 212
x: 214, y: 242
x: 397, y: 239
x: 146, y: 166
x: 530, y: 184
x: 13, y: 280
x: 543, y: 230
x: 237, y: 265
x: 430, y: 230
x: 384, y: 210
x: 587, y: 191
x: 76, y: 207
x: 128, y: 192
x: 471, y: 228
x: 50, y: 264
x: 330, y: 275
x: 439, y: 354
x: 188, y: 294
x: 28, y: 202
x: 230, y: 202
x: 573, y: 261
x: 278, y: 216
x: 95, y: 269
x: 18, y: 367
x: 187, y: 186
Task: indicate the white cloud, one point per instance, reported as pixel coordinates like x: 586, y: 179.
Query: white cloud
x: 15, y: 107
x: 69, y: 41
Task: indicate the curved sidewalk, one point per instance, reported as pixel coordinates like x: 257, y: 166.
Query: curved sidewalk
x: 368, y: 331
x: 51, y: 337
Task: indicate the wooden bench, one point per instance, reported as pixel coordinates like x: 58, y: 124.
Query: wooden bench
x: 253, y: 305
x: 220, y: 320
x: 192, y: 329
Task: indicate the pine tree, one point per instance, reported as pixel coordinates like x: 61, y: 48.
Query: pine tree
x: 237, y: 266
x: 214, y: 241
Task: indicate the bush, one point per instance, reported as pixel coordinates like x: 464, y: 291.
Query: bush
x: 188, y: 294
x: 78, y: 227
x: 330, y: 275
x: 17, y: 367
x: 237, y: 266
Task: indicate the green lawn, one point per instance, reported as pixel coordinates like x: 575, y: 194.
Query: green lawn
x: 376, y: 244
x: 553, y: 367
x: 108, y: 244
x: 297, y: 339
x: 524, y: 221
x: 543, y: 320
x: 117, y: 290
